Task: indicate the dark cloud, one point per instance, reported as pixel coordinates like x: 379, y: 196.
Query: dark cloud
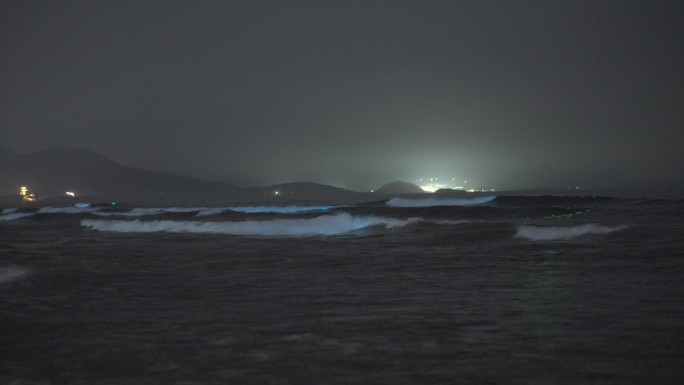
x: 354, y: 93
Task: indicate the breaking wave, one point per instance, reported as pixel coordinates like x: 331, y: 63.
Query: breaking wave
x: 282, y: 209
x: 143, y: 211
x: 206, y: 211
x: 408, y: 202
x: 549, y: 233
x: 86, y: 208
x: 11, y: 273
x: 323, y: 225
x: 65, y: 210
x: 13, y: 216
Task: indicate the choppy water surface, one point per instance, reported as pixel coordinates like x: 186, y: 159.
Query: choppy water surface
x: 549, y: 290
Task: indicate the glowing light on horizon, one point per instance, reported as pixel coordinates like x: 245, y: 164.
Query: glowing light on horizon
x: 26, y: 196
x: 71, y: 194
x: 433, y: 184
x: 432, y: 187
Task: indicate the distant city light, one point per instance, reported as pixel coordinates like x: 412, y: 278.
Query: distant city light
x: 433, y: 184
x: 26, y: 196
x: 71, y: 194
x: 277, y: 192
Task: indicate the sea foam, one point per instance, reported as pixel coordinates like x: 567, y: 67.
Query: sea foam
x: 408, y: 202
x: 206, y: 211
x: 549, y: 233
x: 13, y: 216
x: 323, y: 225
x: 10, y: 214
x: 11, y: 273
x: 65, y: 210
x: 149, y: 211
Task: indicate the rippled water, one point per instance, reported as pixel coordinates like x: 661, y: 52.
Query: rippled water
x: 414, y: 295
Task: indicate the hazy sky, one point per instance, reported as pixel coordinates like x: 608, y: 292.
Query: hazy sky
x: 354, y: 93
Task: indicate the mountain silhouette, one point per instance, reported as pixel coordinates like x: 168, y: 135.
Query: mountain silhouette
x: 399, y: 188
x: 52, y: 172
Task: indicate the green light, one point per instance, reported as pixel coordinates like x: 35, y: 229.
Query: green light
x: 567, y: 215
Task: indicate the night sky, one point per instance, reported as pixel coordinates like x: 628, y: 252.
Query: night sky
x: 351, y: 93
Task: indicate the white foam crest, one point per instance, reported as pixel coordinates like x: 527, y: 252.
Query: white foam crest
x: 211, y: 211
x: 281, y: 209
x: 549, y: 233
x: 11, y: 217
x: 9, y: 214
x: 137, y: 212
x: 11, y: 273
x: 409, y: 202
x: 322, y: 225
x: 447, y: 221
x: 65, y: 210
x: 142, y: 211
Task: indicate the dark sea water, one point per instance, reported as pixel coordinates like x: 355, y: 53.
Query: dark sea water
x: 517, y: 290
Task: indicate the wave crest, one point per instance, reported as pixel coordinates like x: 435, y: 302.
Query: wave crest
x: 12, y: 273
x: 65, y: 210
x: 323, y: 225
x: 408, y: 202
x: 13, y: 216
x: 549, y: 233
x: 281, y: 209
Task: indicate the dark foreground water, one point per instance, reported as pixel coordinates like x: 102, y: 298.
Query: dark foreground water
x: 519, y: 290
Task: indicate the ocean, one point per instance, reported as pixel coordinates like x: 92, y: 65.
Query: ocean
x: 492, y: 290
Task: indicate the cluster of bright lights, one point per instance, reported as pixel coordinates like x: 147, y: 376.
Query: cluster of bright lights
x: 434, y: 184
x: 26, y: 196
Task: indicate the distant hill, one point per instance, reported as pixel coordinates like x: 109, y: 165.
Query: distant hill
x: 51, y: 172
x: 448, y: 192
x: 399, y: 188
x: 54, y: 171
x: 302, y: 191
